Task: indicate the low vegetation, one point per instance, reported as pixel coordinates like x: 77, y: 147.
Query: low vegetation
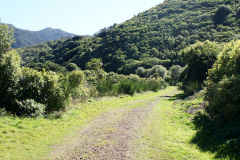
x: 168, y: 132
x: 32, y: 138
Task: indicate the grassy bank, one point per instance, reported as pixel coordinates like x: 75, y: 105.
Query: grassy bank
x: 168, y: 134
x: 30, y: 139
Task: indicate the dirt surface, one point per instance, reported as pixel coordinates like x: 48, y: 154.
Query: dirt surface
x: 110, y: 136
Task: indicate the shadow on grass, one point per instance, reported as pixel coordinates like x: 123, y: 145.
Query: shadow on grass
x: 222, y: 138
x: 180, y: 96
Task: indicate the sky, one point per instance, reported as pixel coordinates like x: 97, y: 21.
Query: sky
x: 81, y: 17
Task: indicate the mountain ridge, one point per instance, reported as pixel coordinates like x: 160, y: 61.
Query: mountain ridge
x: 25, y: 38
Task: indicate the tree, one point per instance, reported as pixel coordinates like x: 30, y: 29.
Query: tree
x: 238, y: 13
x: 6, y: 38
x: 175, y: 72
x: 198, y: 57
x: 223, y: 84
x: 221, y: 14
x: 157, y: 71
x: 10, y: 72
x: 96, y: 65
x: 141, y: 72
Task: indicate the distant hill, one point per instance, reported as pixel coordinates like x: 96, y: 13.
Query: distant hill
x: 26, y: 38
x: 153, y: 37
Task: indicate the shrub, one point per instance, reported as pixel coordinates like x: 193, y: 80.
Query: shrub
x: 223, y: 84
x: 75, y: 79
x: 76, y: 85
x: 30, y: 108
x: 106, y: 87
x: 126, y: 87
x: 155, y: 85
x: 54, y: 93
x: 142, y: 72
x: 229, y: 149
x: 175, y: 72
x: 157, y: 71
x: 10, y: 72
x: 31, y: 85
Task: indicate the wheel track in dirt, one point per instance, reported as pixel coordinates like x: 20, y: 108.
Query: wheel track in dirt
x: 110, y: 136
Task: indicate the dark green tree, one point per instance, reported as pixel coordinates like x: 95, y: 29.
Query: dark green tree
x: 198, y: 57
x: 221, y: 14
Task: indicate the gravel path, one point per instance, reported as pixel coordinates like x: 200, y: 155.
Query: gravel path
x: 110, y: 136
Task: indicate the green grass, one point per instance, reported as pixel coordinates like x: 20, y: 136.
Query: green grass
x: 31, y: 139
x: 168, y: 134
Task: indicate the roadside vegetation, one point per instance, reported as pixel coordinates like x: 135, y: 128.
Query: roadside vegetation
x: 218, y: 124
x: 31, y: 93
x: 32, y: 138
x: 169, y: 130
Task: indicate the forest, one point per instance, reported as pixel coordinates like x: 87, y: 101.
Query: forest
x: 193, y: 45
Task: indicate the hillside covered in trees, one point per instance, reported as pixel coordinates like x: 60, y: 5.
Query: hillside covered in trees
x: 153, y: 37
x: 24, y: 38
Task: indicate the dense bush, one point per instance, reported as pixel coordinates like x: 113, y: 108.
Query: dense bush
x: 31, y: 85
x: 49, y: 88
x: 10, y: 73
x: 30, y: 108
x: 54, y: 93
x: 223, y: 84
x: 126, y: 87
x: 156, y: 71
x: 76, y: 85
x: 174, y: 74
x: 106, y: 87
x: 142, y: 72
x: 199, y: 57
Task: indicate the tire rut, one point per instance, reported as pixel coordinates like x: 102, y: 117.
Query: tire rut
x: 110, y: 136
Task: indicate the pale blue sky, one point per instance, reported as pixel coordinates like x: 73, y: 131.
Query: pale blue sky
x: 75, y: 16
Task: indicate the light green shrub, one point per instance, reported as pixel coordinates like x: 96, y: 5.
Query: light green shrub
x: 30, y: 108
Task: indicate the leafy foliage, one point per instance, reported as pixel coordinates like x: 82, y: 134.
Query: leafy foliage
x: 26, y: 91
x: 30, y: 108
x: 199, y: 58
x: 10, y: 73
x: 6, y: 38
x: 174, y: 74
x: 222, y: 84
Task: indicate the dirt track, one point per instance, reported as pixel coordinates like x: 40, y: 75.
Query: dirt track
x: 111, y: 136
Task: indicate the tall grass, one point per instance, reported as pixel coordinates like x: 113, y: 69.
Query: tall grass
x: 107, y: 87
